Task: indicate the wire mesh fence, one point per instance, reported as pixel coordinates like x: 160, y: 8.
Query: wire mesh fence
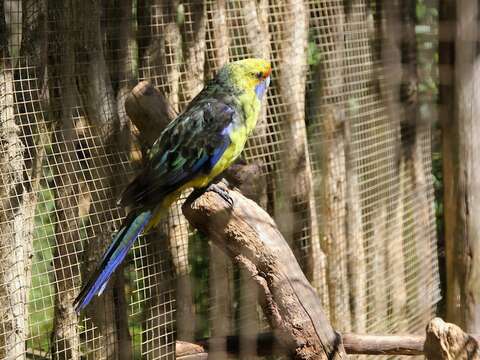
x: 343, y: 155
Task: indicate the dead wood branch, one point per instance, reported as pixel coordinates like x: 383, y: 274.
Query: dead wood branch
x: 442, y: 340
x: 149, y: 110
x: 354, y: 344
x: 251, y: 238
x: 448, y: 341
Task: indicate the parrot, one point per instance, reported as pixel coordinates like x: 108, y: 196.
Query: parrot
x: 191, y: 152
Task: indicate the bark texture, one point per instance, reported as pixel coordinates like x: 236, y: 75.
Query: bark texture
x: 304, y: 232
x: 250, y: 237
x: 356, y: 266
x: 63, y: 98
x: 461, y: 170
x: 333, y: 214
x: 390, y: 87
x: 221, y: 270
x: 14, y: 250
x: 21, y: 156
x: 104, y: 171
x: 447, y: 341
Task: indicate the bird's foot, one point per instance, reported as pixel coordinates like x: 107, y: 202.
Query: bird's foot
x: 222, y: 192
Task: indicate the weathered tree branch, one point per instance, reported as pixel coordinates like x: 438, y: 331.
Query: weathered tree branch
x: 251, y: 238
x: 267, y: 344
x: 448, y: 341
x: 149, y: 110
x: 441, y: 341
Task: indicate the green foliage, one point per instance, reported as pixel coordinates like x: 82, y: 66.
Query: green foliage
x: 199, y: 259
x: 314, y: 57
x: 41, y: 291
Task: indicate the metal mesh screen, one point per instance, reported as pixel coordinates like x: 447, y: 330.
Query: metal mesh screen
x: 341, y: 168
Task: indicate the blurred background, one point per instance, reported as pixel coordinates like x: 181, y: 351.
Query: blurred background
x: 347, y: 154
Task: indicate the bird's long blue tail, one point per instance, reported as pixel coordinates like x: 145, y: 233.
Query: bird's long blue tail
x: 123, y: 241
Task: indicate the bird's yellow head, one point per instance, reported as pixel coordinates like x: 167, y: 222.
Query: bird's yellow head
x: 248, y: 75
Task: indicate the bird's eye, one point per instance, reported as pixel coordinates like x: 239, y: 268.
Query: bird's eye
x: 259, y: 75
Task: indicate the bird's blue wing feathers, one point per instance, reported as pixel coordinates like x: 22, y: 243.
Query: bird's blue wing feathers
x: 193, y: 144
x: 121, y: 244
x: 190, y: 145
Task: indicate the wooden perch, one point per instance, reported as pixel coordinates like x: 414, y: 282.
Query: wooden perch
x: 267, y: 345
x: 443, y: 341
x: 251, y: 238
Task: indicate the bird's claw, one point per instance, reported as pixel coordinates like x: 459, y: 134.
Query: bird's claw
x: 222, y: 192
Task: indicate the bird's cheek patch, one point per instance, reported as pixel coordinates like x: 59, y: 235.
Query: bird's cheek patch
x: 261, y: 88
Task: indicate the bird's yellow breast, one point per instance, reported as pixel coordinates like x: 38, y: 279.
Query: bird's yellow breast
x: 238, y: 137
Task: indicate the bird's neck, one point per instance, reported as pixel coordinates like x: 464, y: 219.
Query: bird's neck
x: 251, y: 108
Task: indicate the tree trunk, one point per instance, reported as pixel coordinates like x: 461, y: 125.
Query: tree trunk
x: 127, y: 75
x: 221, y: 270
x: 328, y: 120
x: 461, y: 168
x: 104, y: 170
x: 21, y: 156
x: 357, y: 270
x: 333, y: 215
x: 219, y: 33
x: 126, y: 48
x: 292, y: 68
x: 255, y: 16
x: 390, y: 85
x: 14, y: 246
x: 415, y: 134
x: 63, y: 98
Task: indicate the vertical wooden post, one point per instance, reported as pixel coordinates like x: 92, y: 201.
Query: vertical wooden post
x: 221, y: 313
x: 461, y: 166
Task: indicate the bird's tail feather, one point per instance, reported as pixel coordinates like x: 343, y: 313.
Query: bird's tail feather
x: 123, y: 241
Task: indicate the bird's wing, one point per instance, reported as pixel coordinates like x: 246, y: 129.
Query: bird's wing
x: 190, y: 145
